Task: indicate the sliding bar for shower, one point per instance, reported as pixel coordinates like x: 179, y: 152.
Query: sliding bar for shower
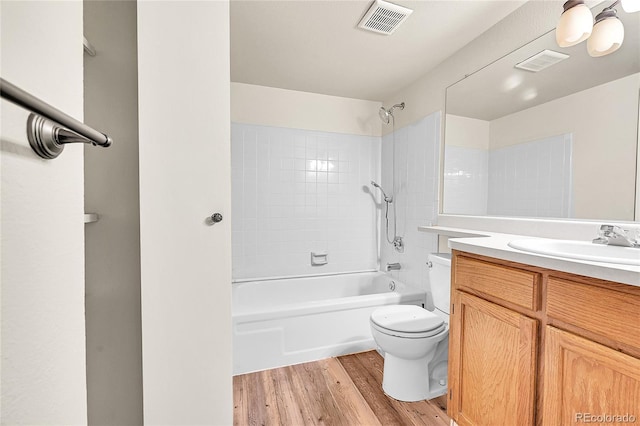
x: 48, y: 128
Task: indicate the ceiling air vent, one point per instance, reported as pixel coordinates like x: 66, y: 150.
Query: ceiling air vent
x: 384, y: 17
x: 541, y: 60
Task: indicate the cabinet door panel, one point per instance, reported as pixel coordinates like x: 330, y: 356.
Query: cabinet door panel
x: 583, y: 378
x: 492, y: 364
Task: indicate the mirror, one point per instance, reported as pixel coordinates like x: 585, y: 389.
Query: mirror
x: 558, y: 143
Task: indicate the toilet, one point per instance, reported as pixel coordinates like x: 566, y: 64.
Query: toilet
x: 414, y: 341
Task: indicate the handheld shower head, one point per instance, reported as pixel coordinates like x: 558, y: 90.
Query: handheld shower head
x: 387, y: 114
x: 386, y: 199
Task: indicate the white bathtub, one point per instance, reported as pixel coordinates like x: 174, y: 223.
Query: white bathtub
x: 288, y: 321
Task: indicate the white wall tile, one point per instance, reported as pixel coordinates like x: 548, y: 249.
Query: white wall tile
x: 528, y: 179
x: 415, y: 194
x: 466, y: 180
x: 302, y: 191
x: 532, y: 179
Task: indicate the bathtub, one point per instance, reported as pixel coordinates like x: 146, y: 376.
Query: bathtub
x: 280, y: 322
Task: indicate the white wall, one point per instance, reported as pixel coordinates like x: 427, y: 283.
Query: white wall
x: 184, y: 122
x: 42, y: 312
x: 603, y: 142
x: 271, y: 106
x: 467, y: 132
x: 427, y: 95
x: 114, y: 347
x: 596, y: 120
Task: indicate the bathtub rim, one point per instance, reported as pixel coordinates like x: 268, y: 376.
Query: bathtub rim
x: 409, y: 294
x: 287, y: 277
x: 328, y: 305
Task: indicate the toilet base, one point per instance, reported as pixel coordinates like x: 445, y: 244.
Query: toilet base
x: 408, y: 380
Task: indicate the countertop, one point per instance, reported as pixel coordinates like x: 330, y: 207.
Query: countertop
x: 493, y: 244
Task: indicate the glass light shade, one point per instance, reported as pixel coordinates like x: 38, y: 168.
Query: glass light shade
x: 631, y: 6
x: 607, y: 37
x: 575, y: 26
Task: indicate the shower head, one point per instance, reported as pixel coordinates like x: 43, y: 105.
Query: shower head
x: 387, y: 114
x: 386, y: 199
x: 384, y: 116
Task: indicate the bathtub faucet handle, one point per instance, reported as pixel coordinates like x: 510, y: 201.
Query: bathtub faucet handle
x: 393, y: 267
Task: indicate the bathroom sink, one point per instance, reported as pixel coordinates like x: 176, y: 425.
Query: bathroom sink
x: 582, y: 250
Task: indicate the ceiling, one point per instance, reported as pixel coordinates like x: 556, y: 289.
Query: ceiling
x: 315, y: 46
x: 500, y: 89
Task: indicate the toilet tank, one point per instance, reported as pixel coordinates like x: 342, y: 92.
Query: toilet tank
x: 440, y: 279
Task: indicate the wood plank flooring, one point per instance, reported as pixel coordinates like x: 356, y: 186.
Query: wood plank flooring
x: 337, y: 391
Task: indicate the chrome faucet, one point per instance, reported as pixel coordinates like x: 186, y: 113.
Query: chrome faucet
x: 616, y: 236
x: 393, y: 267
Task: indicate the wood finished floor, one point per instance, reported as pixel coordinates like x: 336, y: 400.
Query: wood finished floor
x: 338, y: 391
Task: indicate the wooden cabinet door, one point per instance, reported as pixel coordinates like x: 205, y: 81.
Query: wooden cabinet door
x: 584, y: 380
x: 492, y: 364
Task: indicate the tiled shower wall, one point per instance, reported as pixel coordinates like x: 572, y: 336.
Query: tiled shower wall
x: 466, y: 174
x: 531, y: 179
x: 298, y: 191
x: 416, y: 196
x: 528, y: 179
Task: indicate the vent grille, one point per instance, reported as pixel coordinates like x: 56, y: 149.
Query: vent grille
x: 384, y: 17
x: 541, y: 60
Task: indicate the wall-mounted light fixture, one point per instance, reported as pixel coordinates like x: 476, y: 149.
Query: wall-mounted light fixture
x: 606, y: 36
x: 576, y: 23
x: 630, y: 6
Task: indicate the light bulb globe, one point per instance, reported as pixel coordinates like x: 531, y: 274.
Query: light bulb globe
x: 607, y: 37
x: 575, y: 26
x: 630, y: 6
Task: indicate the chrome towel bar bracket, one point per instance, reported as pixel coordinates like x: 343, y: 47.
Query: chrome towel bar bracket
x: 48, y: 128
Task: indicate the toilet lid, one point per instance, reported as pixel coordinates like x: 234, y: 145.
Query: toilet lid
x: 406, y: 319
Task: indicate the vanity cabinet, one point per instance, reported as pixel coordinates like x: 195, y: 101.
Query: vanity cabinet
x: 531, y: 346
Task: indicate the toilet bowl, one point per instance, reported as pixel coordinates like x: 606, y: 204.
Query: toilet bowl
x: 414, y: 341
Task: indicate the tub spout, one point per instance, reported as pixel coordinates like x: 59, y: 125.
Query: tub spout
x: 393, y: 267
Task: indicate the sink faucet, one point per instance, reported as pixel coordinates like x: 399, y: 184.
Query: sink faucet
x: 616, y: 236
x: 393, y: 267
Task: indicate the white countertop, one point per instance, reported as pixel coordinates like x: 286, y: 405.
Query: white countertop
x: 493, y: 244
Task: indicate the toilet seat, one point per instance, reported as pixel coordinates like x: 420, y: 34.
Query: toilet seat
x: 408, y: 321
